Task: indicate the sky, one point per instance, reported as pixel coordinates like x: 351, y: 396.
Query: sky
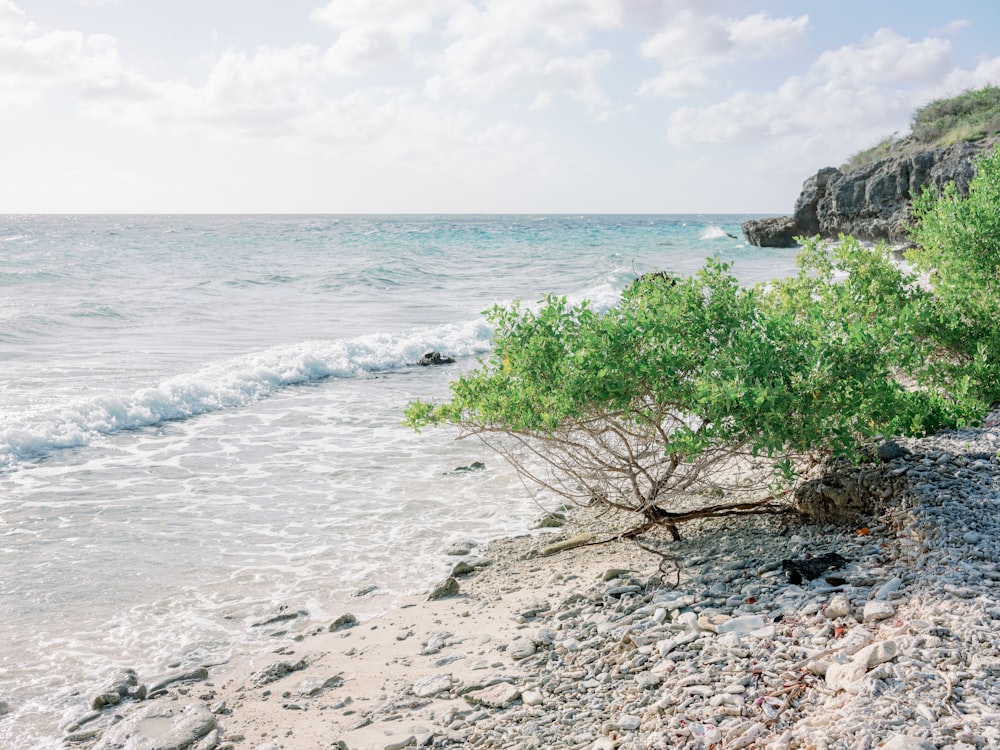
x: 462, y: 106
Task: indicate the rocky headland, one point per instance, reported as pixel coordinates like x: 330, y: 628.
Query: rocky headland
x: 767, y: 632
x: 871, y: 201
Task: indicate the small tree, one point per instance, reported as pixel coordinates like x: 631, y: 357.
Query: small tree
x: 697, y: 397
x: 957, y: 243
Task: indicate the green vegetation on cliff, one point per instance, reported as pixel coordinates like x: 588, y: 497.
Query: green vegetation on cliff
x: 971, y: 116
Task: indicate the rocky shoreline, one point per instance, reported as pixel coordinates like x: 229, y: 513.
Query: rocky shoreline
x: 870, y: 202
x: 896, y: 645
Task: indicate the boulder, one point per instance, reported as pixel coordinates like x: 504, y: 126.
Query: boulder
x: 160, y: 726
x: 434, y: 358
x: 871, y: 202
x: 777, y: 231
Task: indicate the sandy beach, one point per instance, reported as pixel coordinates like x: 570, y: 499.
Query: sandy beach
x: 890, y: 641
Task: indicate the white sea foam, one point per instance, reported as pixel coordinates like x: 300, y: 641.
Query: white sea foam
x: 228, y: 384
x: 713, y: 233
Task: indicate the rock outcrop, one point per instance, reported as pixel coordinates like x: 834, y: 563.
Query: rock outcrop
x: 871, y: 202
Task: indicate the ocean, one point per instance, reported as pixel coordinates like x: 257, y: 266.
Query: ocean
x: 200, y: 422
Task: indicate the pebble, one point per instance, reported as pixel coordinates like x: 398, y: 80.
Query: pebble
x: 899, y: 653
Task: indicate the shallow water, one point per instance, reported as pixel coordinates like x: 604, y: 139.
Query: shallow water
x: 200, y: 420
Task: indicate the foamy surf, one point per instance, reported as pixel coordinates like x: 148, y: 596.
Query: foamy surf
x: 228, y: 384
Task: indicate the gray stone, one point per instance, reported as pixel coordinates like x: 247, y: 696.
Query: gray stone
x: 877, y: 653
x: 124, y: 685
x: 839, y: 606
x: 878, y: 610
x: 181, y: 675
x: 428, y: 687
x: 446, y: 588
x: 500, y: 695
x: 343, y: 622
x: 160, y: 726
x: 777, y: 231
x: 277, y: 671
x: 871, y: 202
x: 410, y: 741
x: 629, y: 722
x: 843, y: 676
x: 521, y: 648
x: 906, y: 742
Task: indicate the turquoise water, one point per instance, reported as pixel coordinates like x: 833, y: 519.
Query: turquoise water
x: 200, y: 420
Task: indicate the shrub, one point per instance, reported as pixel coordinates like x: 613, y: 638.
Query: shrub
x: 969, y: 116
x: 698, y: 397
x: 957, y: 243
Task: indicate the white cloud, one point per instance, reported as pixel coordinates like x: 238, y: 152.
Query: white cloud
x: 953, y: 27
x: 694, y: 43
x: 36, y: 63
x: 850, y: 98
x: 376, y: 31
x: 536, y: 51
x: 887, y: 57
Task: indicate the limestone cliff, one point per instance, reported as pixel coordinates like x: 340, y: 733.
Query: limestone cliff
x: 870, y: 202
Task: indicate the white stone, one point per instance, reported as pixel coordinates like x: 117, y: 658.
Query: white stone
x: 905, y: 742
x: 973, y: 537
x: 844, y: 675
x: 521, y: 648
x: 744, y: 624
x: 427, y: 687
x: 629, y: 722
x: 877, y: 653
x: 839, y: 606
x: 878, y: 610
x: 666, y: 646
x: 887, y: 588
x: 531, y: 698
x: 500, y: 695
x: 160, y: 725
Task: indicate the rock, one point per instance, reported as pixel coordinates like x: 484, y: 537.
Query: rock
x: 551, y: 521
x: 312, y: 688
x: 435, y: 643
x: 629, y: 722
x: 434, y: 358
x: 282, y: 615
x: 887, y: 589
x: 878, y: 610
x: 122, y: 686
x: 577, y: 541
x: 779, y: 231
x: 277, y: 671
x: 890, y: 450
x: 500, y: 695
x: 160, y: 726
x: 871, y: 202
x: 343, y: 622
x: 811, y: 567
x: 532, y: 698
x: 877, y: 653
x: 428, y: 687
x: 410, y: 741
x: 446, y: 588
x: 813, y: 189
x: 521, y: 648
x: 843, y: 675
x: 745, y: 624
x: 462, y: 568
x: 838, y: 607
x: 182, y: 675
x: 905, y: 742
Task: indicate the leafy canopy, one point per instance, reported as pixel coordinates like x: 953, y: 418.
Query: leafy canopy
x: 697, y: 396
